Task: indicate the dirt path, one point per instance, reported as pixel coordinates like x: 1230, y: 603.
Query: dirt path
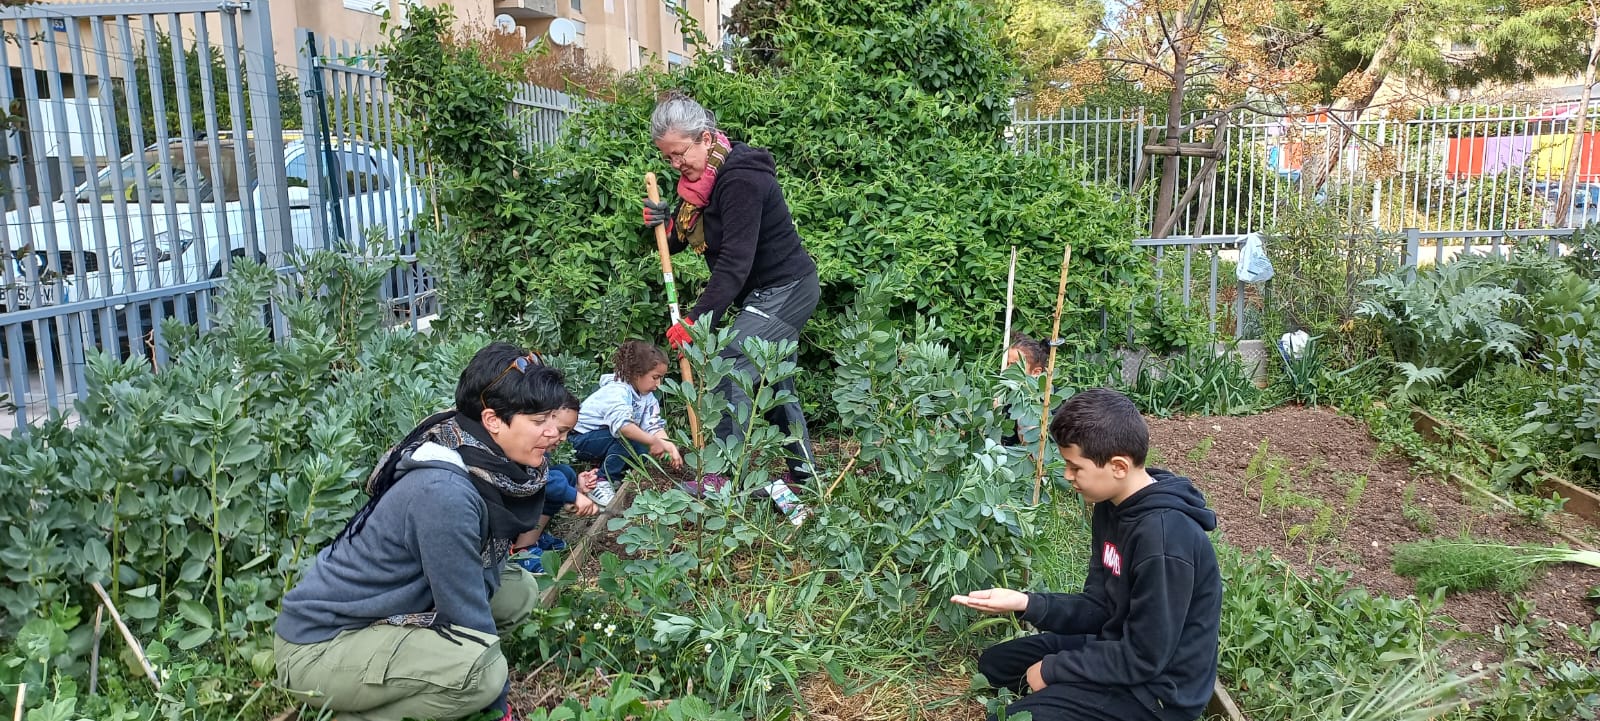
x: 1333, y: 501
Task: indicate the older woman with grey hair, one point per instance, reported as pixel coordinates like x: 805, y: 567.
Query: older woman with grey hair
x: 731, y: 210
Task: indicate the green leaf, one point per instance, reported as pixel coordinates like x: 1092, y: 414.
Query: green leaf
x: 196, y: 613
x: 194, y: 639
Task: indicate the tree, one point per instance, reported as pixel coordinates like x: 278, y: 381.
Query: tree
x: 1233, y: 52
x: 1049, y: 34
x: 1553, y: 38
x: 1362, y: 44
x: 886, y: 120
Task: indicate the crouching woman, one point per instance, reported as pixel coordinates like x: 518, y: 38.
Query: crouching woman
x: 400, y: 616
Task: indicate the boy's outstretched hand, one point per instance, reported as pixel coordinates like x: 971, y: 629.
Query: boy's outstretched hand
x: 994, y: 600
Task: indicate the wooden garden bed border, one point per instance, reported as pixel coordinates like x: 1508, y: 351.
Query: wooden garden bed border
x: 1581, y: 502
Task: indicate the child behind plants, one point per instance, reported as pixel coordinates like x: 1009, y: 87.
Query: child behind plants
x: 622, y: 418
x: 1033, y: 355
x: 563, y: 487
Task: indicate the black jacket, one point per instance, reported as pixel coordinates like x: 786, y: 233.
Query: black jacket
x: 1152, y: 602
x: 751, y: 241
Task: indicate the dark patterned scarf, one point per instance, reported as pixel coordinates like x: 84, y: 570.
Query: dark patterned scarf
x: 512, y: 492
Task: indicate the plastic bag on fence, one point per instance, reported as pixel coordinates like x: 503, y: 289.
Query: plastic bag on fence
x: 1254, y: 267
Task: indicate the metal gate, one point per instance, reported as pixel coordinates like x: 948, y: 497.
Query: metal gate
x: 143, y: 150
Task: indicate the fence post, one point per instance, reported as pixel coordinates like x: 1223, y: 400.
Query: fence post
x: 1413, y: 251
x: 261, y: 81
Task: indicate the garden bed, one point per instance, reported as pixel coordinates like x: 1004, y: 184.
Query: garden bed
x: 1323, y: 494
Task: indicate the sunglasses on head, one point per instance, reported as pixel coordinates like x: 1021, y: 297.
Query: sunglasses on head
x: 520, y: 365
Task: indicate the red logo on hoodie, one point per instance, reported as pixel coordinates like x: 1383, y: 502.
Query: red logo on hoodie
x: 1111, y: 558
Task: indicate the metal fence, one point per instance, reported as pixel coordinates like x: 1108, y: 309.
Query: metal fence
x: 1200, y: 269
x: 1450, y: 168
x: 146, y: 155
x: 150, y: 152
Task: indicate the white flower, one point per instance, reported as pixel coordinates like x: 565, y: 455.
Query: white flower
x: 571, y: 624
x: 708, y: 649
x: 597, y: 625
x: 766, y: 684
x: 610, y: 629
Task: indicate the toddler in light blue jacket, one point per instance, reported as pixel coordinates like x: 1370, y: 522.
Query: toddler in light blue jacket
x: 622, y: 418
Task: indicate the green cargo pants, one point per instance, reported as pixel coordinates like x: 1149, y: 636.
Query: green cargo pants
x: 391, y: 673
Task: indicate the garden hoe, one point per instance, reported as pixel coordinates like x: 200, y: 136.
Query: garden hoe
x: 672, y: 302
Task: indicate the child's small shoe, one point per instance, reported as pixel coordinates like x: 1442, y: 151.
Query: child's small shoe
x: 549, y: 542
x: 603, y: 493
x: 708, y: 482
x: 530, y: 559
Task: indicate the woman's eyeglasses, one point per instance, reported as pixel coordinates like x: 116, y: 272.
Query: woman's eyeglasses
x: 520, y: 365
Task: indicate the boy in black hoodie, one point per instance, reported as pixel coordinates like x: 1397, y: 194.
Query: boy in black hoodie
x: 1140, y: 642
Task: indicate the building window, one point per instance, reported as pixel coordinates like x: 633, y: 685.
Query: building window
x: 577, y: 6
x: 1463, y: 46
x: 578, y: 37
x: 675, y: 60
x: 644, y: 56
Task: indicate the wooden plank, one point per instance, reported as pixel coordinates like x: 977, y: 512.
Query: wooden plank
x: 1580, y: 501
x: 578, y: 551
x: 1222, y: 704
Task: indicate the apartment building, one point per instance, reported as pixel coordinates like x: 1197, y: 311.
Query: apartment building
x: 625, y: 34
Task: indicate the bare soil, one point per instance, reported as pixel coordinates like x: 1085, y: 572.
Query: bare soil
x: 1324, y: 456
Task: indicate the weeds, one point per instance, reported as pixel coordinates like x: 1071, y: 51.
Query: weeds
x: 1420, y: 517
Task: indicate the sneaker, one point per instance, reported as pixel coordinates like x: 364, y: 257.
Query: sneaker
x: 603, y: 494
x: 548, y: 542
x: 530, y: 559
x: 784, y: 498
x: 708, y: 482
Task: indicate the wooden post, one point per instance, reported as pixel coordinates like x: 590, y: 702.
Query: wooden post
x: 1049, y: 374
x: 1011, y: 288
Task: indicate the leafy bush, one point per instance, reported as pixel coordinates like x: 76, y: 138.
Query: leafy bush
x: 1321, y: 257
x: 198, y: 493
x: 1445, y: 323
x: 722, y: 594
x: 885, y: 118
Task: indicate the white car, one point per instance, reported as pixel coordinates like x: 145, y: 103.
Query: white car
x: 178, y: 228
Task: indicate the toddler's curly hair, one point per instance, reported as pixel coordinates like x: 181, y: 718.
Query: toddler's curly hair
x: 635, y: 358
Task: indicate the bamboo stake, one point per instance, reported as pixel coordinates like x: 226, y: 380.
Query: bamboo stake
x: 1011, y: 287
x: 842, y: 474
x: 672, y: 302
x: 1049, y: 374
x: 133, y: 643
x: 22, y: 695
x: 94, y: 651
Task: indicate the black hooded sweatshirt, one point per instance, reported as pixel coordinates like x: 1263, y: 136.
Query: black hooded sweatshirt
x: 751, y: 242
x: 1151, y: 602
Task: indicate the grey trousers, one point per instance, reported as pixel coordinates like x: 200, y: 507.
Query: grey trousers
x: 773, y: 314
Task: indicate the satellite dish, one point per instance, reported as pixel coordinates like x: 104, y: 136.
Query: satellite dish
x: 505, y: 23
x: 563, y: 31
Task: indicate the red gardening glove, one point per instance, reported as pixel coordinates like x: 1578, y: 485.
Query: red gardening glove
x: 678, y: 334
x: 657, y: 212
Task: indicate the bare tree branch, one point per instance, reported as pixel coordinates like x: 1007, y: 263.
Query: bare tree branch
x: 1144, y: 63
